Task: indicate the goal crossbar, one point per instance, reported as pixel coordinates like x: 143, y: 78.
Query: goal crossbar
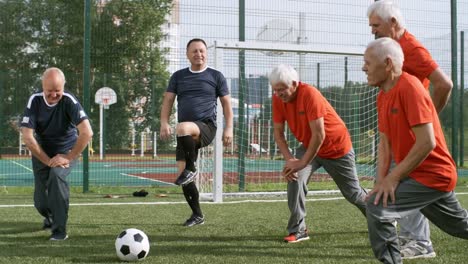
x: 281, y: 47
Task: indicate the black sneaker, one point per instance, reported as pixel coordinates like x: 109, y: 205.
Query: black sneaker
x: 186, y: 177
x: 47, y: 224
x: 195, y: 220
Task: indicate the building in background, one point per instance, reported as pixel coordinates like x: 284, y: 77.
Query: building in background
x: 171, y: 40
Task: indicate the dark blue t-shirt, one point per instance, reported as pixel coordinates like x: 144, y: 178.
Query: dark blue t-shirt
x: 54, y: 126
x: 197, y: 93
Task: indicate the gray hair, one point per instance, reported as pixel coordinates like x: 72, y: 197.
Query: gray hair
x: 384, y: 48
x: 54, y: 69
x: 283, y: 74
x: 386, y: 9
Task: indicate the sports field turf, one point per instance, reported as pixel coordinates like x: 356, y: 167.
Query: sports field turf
x: 234, y: 232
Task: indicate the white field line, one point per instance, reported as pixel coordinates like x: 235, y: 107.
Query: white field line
x: 21, y: 165
x: 14, y: 174
x: 168, y: 203
x: 204, y: 202
x: 148, y: 179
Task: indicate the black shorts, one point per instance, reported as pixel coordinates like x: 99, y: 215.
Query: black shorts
x: 207, y: 133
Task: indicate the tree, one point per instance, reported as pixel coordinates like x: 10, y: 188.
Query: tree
x: 125, y: 56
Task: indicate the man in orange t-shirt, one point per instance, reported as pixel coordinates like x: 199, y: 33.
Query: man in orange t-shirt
x: 325, y: 143
x: 386, y: 20
x: 425, y: 174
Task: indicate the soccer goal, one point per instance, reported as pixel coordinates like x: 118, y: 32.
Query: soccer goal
x: 252, y: 165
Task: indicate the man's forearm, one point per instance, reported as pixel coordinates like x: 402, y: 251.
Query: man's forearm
x: 168, y: 102
x: 441, y: 99
x: 312, y: 150
x: 37, y: 151
x: 79, y: 146
x: 383, y: 162
x: 283, y: 147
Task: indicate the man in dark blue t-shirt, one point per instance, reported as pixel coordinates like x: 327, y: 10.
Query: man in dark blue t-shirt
x: 197, y: 89
x: 56, y: 130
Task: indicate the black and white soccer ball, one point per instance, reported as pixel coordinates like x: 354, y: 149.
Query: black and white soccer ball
x: 132, y: 245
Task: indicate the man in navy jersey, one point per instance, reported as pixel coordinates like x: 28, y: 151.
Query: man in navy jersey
x: 197, y: 89
x: 56, y: 130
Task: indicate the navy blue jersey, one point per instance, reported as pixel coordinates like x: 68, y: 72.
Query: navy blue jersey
x: 54, y: 126
x: 197, y: 93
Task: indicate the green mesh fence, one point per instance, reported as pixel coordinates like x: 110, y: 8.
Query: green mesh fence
x: 136, y: 45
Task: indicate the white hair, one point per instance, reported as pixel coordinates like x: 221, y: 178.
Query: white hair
x: 384, y: 48
x: 386, y: 10
x: 54, y: 69
x: 283, y: 74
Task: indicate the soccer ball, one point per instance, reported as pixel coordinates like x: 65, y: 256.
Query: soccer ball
x: 131, y: 245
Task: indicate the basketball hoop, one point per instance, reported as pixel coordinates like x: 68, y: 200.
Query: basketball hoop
x: 105, y: 97
x: 105, y: 102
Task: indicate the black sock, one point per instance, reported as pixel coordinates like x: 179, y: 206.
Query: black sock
x: 188, y: 145
x: 192, y: 196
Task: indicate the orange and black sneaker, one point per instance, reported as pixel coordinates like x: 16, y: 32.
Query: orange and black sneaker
x: 297, y: 237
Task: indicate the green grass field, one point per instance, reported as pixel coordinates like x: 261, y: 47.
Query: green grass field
x: 235, y: 231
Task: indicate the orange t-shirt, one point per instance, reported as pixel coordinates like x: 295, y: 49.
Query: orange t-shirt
x: 406, y: 105
x: 310, y: 105
x: 418, y: 60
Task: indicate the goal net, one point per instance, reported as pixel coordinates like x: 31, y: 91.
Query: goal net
x: 252, y: 165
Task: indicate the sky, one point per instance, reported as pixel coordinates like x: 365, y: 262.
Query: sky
x: 337, y: 24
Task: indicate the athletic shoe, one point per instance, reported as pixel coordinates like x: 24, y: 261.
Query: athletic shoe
x: 186, y: 177
x: 194, y: 220
x: 58, y: 237
x: 297, y: 237
x: 404, y: 241
x: 47, y: 224
x: 416, y: 249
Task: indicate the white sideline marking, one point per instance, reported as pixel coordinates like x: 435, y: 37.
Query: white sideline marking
x: 15, y: 174
x: 143, y: 178
x: 21, y: 165
x: 168, y: 203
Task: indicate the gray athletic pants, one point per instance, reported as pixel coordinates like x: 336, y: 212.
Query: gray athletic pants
x: 441, y: 208
x: 414, y: 226
x: 51, y: 193
x: 343, y: 172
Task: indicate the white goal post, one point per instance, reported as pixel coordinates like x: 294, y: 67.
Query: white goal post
x: 335, y: 70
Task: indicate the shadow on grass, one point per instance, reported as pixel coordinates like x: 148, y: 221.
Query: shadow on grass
x: 25, y: 239
x: 261, y: 245
x: 19, y: 227
x: 82, y: 249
